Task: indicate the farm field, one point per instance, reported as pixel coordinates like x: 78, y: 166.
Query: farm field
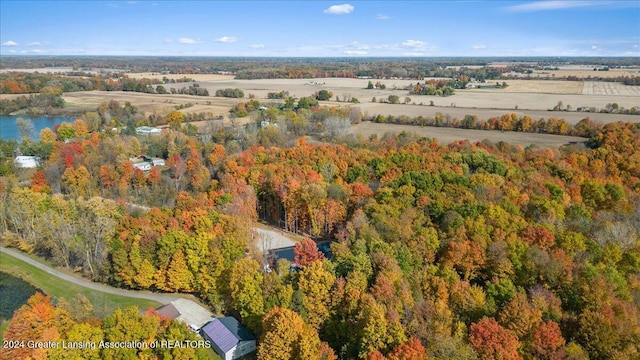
x: 459, y: 112
x: 533, y: 98
x: 582, y: 71
x: 448, y: 135
x: 609, y: 88
x: 536, y: 86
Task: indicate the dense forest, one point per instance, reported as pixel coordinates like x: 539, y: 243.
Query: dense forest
x: 488, y: 68
x: 466, y: 250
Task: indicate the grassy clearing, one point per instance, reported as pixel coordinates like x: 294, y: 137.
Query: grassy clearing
x: 3, y: 327
x: 103, y: 303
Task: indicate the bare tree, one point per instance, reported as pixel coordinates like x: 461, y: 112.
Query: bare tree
x: 336, y: 127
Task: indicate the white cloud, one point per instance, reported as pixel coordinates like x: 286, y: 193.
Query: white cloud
x: 478, y: 47
x: 635, y: 46
x: 34, y: 51
x: 12, y: 51
x: 596, y: 48
x: 413, y: 53
x: 417, y: 44
x: 37, y: 43
x: 554, y: 5
x: 339, y: 9
x: 189, y: 41
x: 227, y: 39
x: 382, y: 17
x: 257, y: 46
x: 167, y: 40
x: 10, y: 43
x: 357, y: 46
x: 355, y: 52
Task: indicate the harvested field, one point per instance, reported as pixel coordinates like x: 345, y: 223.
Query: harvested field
x: 609, y: 88
x: 196, y: 77
x: 571, y: 117
x: 448, y: 135
x: 537, y: 86
x: 532, y: 96
x: 150, y: 103
x: 581, y: 72
x: 524, y: 97
x: 12, y: 96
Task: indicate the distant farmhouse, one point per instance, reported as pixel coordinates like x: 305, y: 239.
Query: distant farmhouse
x: 27, y: 162
x: 147, y: 130
x: 229, y: 338
x: 145, y: 163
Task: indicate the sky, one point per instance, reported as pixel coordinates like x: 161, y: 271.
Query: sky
x: 321, y: 29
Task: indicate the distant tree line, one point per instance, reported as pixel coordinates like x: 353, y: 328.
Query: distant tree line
x: 507, y: 122
x: 38, y: 103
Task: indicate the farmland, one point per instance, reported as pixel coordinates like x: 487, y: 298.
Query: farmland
x: 448, y: 135
x: 523, y: 97
x: 426, y: 202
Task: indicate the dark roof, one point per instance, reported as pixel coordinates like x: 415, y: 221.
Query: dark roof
x: 226, y: 333
x: 239, y: 331
x: 289, y: 254
x: 169, y: 311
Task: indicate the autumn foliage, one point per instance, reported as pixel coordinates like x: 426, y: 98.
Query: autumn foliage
x: 458, y: 251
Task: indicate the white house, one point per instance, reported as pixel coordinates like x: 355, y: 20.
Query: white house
x: 27, y: 162
x: 144, y: 166
x: 229, y: 338
x: 148, y: 130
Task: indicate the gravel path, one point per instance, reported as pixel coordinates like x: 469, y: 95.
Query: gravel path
x: 270, y: 240
x: 161, y: 298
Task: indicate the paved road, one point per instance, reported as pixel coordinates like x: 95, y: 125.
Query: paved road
x: 161, y: 298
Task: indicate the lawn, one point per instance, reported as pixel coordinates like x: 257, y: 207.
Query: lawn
x: 103, y: 303
x: 3, y: 327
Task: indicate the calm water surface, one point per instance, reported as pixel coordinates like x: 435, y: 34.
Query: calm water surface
x: 9, y: 129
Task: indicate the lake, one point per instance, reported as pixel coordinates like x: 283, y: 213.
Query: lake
x: 9, y: 129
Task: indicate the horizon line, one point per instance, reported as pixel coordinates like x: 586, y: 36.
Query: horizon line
x: 326, y: 57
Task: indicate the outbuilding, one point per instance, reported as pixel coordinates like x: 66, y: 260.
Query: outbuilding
x: 27, y: 162
x: 229, y: 338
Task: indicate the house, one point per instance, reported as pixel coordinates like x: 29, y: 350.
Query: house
x: 145, y: 163
x: 168, y: 311
x: 229, y: 338
x: 288, y: 253
x: 148, y: 130
x: 144, y: 166
x: 27, y: 162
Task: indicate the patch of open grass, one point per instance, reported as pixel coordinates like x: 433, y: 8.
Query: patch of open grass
x: 103, y: 303
x: 3, y: 327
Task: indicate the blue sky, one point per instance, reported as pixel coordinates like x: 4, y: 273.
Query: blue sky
x: 319, y: 28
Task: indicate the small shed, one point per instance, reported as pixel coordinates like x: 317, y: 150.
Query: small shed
x: 229, y: 338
